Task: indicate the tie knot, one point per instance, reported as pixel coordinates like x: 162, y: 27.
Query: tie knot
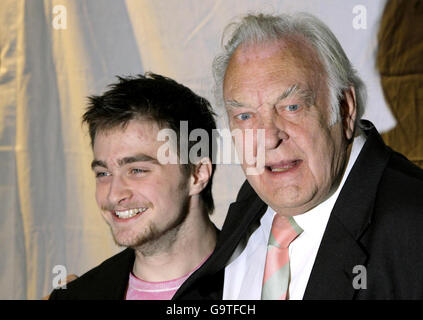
x: 284, y: 231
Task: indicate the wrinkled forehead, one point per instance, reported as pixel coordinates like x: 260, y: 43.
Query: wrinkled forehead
x: 289, y: 57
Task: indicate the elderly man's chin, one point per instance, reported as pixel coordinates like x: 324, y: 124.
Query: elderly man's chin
x: 288, y: 198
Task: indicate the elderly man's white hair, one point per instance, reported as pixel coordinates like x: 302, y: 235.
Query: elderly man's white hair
x: 260, y: 28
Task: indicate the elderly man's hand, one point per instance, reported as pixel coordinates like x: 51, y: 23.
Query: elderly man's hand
x: 69, y: 278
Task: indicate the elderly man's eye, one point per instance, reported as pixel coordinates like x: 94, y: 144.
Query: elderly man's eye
x: 292, y: 107
x: 243, y: 116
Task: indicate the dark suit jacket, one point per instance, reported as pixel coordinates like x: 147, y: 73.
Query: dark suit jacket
x: 377, y: 222
x: 108, y: 281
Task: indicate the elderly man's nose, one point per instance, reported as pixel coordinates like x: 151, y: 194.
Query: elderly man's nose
x: 275, y: 133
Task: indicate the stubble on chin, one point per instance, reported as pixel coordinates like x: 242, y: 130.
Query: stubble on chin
x: 157, y: 241
x: 132, y: 239
x: 152, y: 239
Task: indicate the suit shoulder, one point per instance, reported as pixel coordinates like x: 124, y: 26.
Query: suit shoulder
x: 400, y: 193
x: 405, y: 168
x: 95, y: 276
x: 402, y: 180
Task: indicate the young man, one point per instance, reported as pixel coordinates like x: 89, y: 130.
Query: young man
x: 158, y: 209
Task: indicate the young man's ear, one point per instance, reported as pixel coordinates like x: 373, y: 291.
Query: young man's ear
x: 201, y: 176
x: 349, y: 112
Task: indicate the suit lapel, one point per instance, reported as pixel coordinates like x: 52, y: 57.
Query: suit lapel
x: 113, y: 281
x: 332, y: 274
x: 241, y: 215
x: 341, y: 250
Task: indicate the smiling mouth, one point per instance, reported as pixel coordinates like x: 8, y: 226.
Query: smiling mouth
x: 127, y: 214
x: 283, y: 166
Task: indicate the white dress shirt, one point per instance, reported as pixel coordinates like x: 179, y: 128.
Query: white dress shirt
x: 244, y: 272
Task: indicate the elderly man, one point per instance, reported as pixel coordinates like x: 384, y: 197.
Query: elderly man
x: 334, y: 214
x: 156, y: 208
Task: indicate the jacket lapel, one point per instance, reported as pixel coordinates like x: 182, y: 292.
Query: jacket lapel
x: 117, y: 280
x: 209, y: 277
x: 241, y: 215
x: 332, y: 274
x: 111, y: 283
x: 341, y: 251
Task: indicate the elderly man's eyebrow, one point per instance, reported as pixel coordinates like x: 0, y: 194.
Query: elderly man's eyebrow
x: 233, y: 104
x: 295, y: 89
x: 306, y: 94
x: 126, y: 160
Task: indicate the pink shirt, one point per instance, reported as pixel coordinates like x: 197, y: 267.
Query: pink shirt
x: 164, y: 290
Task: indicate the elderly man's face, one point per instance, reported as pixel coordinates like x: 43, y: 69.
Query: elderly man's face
x: 281, y: 87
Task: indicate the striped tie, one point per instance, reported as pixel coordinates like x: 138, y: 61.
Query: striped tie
x: 276, y: 273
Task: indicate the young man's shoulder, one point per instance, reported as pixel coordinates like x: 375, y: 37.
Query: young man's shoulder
x: 101, y: 282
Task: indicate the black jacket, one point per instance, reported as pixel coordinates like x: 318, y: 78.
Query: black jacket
x: 108, y: 281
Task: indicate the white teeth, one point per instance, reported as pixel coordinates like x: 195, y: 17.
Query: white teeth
x: 126, y: 214
x: 280, y: 169
x: 285, y: 168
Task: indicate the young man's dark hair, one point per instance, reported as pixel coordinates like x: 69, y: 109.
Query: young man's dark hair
x: 162, y: 100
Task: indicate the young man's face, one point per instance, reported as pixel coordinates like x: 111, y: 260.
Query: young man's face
x: 142, y: 200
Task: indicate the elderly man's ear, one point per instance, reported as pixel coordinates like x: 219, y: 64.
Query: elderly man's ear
x: 201, y: 176
x: 349, y: 112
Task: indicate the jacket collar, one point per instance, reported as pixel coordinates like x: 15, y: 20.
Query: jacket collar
x: 241, y: 215
x: 111, y: 283
x: 341, y: 250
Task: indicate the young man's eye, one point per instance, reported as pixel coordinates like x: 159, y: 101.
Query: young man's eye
x: 243, y: 116
x: 138, y: 171
x: 101, y: 174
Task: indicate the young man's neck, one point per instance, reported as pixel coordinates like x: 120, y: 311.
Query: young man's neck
x: 177, y: 254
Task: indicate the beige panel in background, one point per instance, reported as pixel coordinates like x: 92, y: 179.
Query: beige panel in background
x: 400, y: 62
